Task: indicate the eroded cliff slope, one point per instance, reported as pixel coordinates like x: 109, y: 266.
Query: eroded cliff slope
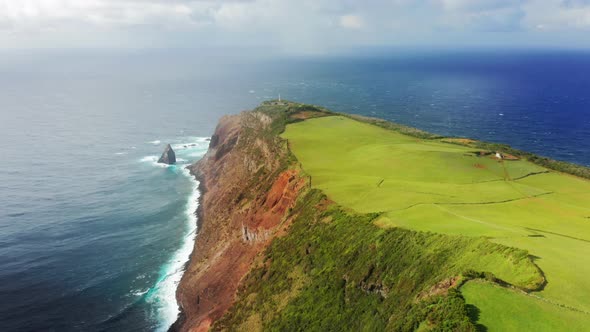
x: 247, y: 189
x: 274, y: 254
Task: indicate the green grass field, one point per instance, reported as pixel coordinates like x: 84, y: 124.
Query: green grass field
x: 430, y: 185
x: 509, y: 308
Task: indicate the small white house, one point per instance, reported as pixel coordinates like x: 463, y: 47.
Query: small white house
x: 499, y: 155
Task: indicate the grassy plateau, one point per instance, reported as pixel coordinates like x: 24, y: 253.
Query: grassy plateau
x: 456, y: 198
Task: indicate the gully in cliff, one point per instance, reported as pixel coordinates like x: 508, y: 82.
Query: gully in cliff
x: 168, y: 156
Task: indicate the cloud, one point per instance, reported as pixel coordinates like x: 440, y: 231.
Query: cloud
x: 351, y: 22
x: 479, y: 5
x: 301, y: 25
x: 567, y: 17
x: 25, y: 14
x: 575, y: 3
x: 497, y: 20
x: 483, y: 15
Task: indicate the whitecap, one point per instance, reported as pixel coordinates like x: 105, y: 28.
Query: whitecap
x: 153, y: 160
x: 139, y: 292
x: 192, y: 144
x: 163, y: 295
x: 179, y: 146
x: 156, y: 142
x: 199, y: 139
x: 120, y: 153
x: 149, y: 159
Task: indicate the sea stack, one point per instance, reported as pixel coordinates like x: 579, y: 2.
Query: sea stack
x: 168, y: 157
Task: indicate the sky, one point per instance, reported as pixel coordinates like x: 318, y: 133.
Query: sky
x: 293, y: 26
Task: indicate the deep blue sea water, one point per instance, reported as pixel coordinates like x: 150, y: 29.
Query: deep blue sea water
x: 94, y: 234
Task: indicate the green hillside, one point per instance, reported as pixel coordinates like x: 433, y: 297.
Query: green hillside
x: 434, y: 186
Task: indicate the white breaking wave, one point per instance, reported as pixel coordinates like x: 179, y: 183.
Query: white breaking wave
x: 149, y: 159
x: 182, y: 146
x: 140, y: 292
x: 163, y: 295
x: 154, y: 161
x: 196, y: 148
x: 156, y: 142
x: 196, y: 145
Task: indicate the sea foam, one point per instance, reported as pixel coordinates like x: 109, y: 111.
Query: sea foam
x: 153, y: 160
x: 163, y: 295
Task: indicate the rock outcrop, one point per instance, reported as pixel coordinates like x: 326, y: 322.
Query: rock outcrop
x: 247, y: 192
x: 168, y: 156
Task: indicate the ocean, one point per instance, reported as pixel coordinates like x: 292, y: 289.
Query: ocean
x: 94, y: 233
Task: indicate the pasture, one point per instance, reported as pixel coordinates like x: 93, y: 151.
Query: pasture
x: 436, y: 186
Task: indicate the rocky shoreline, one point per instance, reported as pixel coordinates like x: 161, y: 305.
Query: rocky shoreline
x: 246, y: 192
x: 253, y: 191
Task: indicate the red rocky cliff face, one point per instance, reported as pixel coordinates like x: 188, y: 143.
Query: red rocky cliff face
x: 246, y: 199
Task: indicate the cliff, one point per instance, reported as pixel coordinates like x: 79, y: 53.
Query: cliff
x: 274, y: 254
x: 247, y: 191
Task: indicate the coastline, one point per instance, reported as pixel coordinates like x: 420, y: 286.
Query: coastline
x: 198, y: 215
x: 180, y: 259
x: 565, y: 167
x: 213, y: 154
x: 247, y: 193
x: 162, y: 294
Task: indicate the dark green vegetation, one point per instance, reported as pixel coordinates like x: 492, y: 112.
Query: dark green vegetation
x: 441, y: 185
x: 288, y: 109
x: 337, y: 270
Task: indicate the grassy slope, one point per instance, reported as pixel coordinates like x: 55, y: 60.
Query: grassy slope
x: 424, y: 185
x: 489, y: 298
x: 336, y: 271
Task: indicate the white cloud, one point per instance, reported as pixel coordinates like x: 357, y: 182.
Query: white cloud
x: 576, y: 3
x: 290, y: 24
x: 556, y: 15
x: 495, y: 20
x: 351, y: 22
x: 27, y: 14
x: 482, y: 15
x: 478, y: 5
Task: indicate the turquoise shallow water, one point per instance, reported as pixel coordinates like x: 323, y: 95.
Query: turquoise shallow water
x: 94, y: 234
